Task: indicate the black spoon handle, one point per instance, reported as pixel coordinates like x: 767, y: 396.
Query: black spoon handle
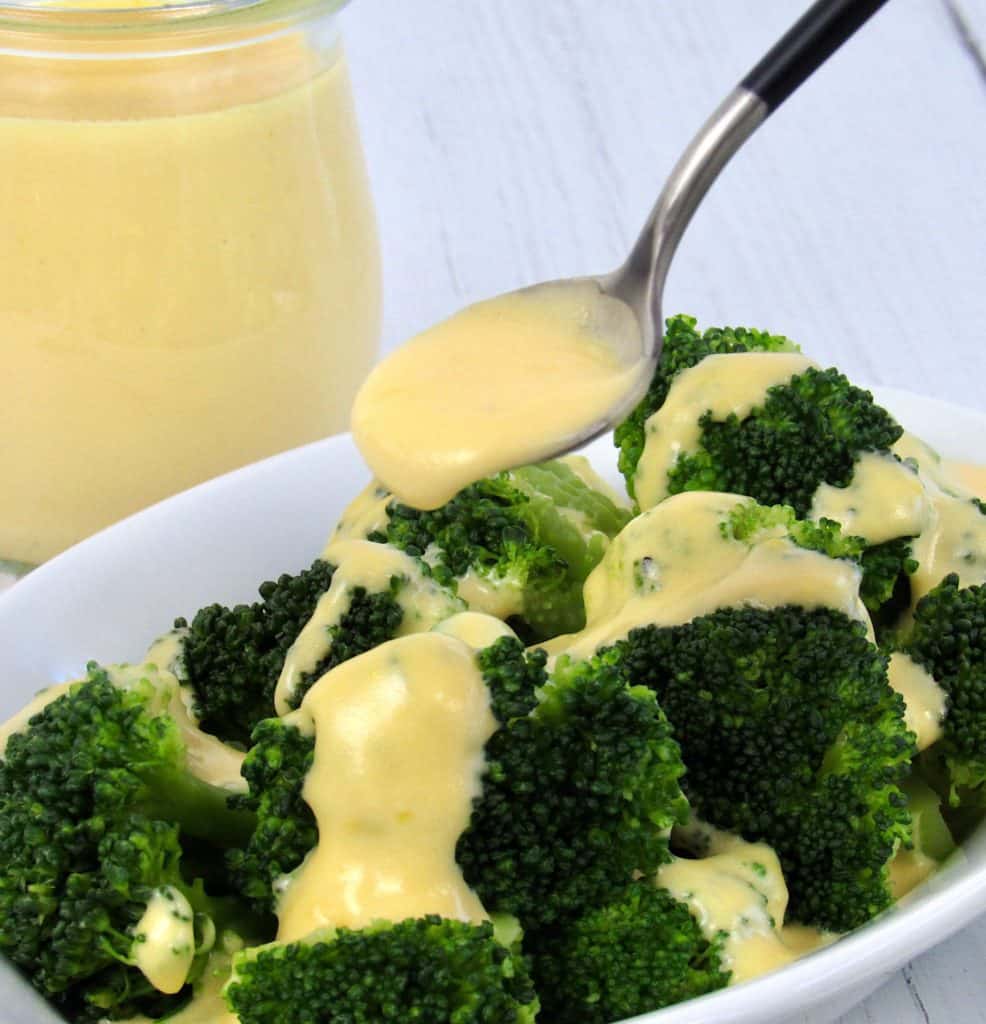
x: 817, y: 34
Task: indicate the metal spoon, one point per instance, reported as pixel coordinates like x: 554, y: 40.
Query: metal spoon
x: 639, y: 283
x: 426, y: 437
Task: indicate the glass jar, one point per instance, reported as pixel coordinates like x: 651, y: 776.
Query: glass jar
x: 189, y: 272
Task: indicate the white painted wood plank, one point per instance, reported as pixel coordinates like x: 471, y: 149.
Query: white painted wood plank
x: 970, y: 21
x: 945, y: 986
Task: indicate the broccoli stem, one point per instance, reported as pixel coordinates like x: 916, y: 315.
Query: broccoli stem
x: 200, y: 809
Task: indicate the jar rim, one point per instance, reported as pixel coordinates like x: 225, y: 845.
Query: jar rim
x: 152, y: 16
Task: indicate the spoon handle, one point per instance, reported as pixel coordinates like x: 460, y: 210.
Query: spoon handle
x: 817, y: 34
x: 824, y: 27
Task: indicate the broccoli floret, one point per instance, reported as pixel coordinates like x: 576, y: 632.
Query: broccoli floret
x: 275, y: 770
x: 791, y: 735
x: 640, y: 953
x: 96, y: 798
x: 948, y: 639
x: 371, y: 619
x: 885, y: 567
x: 231, y: 658
x: 885, y: 587
x: 513, y: 676
x: 282, y: 754
x: 578, y: 795
x: 750, y: 522
x: 528, y: 537
x: 684, y: 347
x: 807, y: 432
x: 424, y: 969
x: 579, y: 792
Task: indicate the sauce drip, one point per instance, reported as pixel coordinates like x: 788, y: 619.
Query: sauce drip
x: 739, y: 892
x: 502, y: 383
x: 477, y: 629
x: 399, y: 738
x: 925, y: 701
x: 953, y: 541
x: 675, y: 562
x: 722, y: 385
x: 361, y: 563
x: 885, y: 499
x: 164, y: 940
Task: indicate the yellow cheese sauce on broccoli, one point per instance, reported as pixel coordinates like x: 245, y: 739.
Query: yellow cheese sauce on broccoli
x: 514, y: 746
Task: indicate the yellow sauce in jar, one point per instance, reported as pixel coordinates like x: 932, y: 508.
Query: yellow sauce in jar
x: 189, y: 274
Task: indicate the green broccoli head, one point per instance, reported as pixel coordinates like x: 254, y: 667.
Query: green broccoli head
x: 808, y: 431
x: 885, y: 587
x: 640, y: 953
x: 513, y: 675
x: 750, y: 523
x: 791, y: 735
x: 231, y: 658
x: 424, y: 969
x: 948, y: 639
x: 578, y: 794
x: 95, y: 801
x: 684, y: 347
x: 518, y: 545
x: 275, y: 770
x: 885, y: 567
x: 282, y: 754
x: 371, y: 619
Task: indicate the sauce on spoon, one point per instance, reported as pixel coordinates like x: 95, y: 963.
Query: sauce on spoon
x: 502, y: 383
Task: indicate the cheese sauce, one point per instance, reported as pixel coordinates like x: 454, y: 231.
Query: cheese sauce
x: 361, y: 563
x: 365, y: 514
x: 925, y: 701
x: 723, y: 385
x: 885, y: 499
x: 970, y: 476
x: 953, y: 541
x: 907, y: 870
x: 207, y: 1005
x: 739, y: 892
x: 164, y: 940
x: 476, y: 629
x: 674, y: 563
x: 399, y: 738
x: 502, y: 383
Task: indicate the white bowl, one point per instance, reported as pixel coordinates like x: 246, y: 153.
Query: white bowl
x: 107, y: 598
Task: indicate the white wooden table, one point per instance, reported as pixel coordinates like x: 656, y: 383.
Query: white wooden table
x: 520, y: 140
